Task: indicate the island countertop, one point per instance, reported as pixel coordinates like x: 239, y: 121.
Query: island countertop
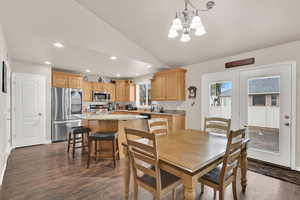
x: 109, y: 117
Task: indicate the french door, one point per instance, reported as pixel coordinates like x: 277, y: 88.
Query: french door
x: 259, y: 100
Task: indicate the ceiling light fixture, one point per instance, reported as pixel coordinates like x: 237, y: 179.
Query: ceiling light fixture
x: 47, y: 62
x: 87, y: 70
x: 137, y: 74
x: 189, y: 21
x: 58, y: 45
x: 113, y: 58
x: 149, y: 66
x: 118, y: 75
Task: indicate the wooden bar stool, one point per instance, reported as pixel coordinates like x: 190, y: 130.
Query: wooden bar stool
x: 103, y: 136
x: 78, y: 135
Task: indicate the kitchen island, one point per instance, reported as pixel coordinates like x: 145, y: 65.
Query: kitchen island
x: 112, y: 123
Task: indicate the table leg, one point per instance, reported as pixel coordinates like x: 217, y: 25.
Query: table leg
x: 189, y: 189
x: 244, y: 169
x: 126, y: 174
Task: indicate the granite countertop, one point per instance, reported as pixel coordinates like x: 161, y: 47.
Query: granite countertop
x: 109, y: 117
x: 166, y: 112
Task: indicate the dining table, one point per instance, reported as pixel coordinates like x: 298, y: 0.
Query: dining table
x: 190, y: 154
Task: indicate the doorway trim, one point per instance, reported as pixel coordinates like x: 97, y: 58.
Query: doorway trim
x: 13, y: 107
x: 294, y: 102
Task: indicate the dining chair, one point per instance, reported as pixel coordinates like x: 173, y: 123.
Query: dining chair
x: 158, y: 126
x: 217, y: 125
x: 225, y: 174
x: 143, y: 154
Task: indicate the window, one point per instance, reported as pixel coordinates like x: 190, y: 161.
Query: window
x: 259, y: 100
x: 143, y: 98
x: 274, y: 100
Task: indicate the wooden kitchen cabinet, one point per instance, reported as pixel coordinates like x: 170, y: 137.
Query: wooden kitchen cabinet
x: 175, y: 122
x: 125, y: 91
x: 66, y: 80
x: 87, y: 91
x: 111, y: 89
x: 168, y: 85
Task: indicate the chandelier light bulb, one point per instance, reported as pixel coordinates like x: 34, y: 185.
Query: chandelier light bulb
x: 196, y: 22
x: 185, y: 37
x: 172, y: 33
x: 177, y: 25
x: 200, y: 31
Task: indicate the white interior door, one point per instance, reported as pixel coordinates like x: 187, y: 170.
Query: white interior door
x: 266, y: 110
x: 28, y: 100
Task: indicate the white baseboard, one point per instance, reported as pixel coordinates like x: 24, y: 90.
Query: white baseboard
x: 6, y: 156
x: 48, y: 142
x: 297, y: 169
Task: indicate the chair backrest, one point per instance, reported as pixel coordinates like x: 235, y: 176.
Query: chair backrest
x: 217, y: 125
x: 232, y: 154
x: 143, y: 154
x: 158, y: 126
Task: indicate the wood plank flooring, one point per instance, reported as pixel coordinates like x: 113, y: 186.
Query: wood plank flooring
x: 46, y: 172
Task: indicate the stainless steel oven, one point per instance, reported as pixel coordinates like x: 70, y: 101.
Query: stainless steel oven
x: 101, y: 96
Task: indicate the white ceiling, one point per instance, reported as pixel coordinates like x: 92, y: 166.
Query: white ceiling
x: 233, y: 26
x: 32, y: 26
x: 136, y: 32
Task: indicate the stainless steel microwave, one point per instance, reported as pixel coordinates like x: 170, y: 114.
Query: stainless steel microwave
x: 101, y: 96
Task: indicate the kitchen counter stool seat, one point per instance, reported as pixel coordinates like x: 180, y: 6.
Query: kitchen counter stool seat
x: 104, y: 136
x: 78, y: 135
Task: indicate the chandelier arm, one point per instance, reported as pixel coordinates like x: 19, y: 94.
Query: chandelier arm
x: 193, y: 6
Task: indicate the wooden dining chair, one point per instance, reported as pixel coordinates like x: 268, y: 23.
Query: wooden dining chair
x: 217, y: 125
x: 225, y: 174
x: 143, y: 154
x: 158, y: 126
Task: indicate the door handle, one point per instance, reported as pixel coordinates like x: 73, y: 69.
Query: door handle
x: 40, y: 114
x: 287, y: 124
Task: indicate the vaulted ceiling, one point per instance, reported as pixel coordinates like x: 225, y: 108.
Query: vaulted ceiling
x: 136, y: 32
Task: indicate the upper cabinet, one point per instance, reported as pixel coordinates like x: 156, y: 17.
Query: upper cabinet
x: 168, y: 85
x: 125, y: 91
x: 87, y: 91
x: 66, y: 80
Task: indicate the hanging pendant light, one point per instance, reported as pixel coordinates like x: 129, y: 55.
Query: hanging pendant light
x: 189, y: 21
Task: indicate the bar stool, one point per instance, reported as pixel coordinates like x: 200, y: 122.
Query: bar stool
x: 77, y: 135
x: 104, y: 136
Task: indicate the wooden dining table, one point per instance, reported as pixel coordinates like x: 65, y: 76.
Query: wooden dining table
x: 189, y: 154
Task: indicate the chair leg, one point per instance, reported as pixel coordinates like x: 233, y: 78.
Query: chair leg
x: 234, y: 190
x: 96, y: 149
x: 74, y: 143
x: 202, y: 188
x: 89, y: 152
x: 114, y: 152
x: 82, y: 142
x: 215, y: 193
x: 69, y: 142
x: 221, y: 194
x: 118, y: 156
x: 136, y: 191
x: 174, y: 194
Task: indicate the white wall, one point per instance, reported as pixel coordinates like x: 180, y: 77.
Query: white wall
x: 5, y: 140
x: 25, y: 67
x: 276, y: 54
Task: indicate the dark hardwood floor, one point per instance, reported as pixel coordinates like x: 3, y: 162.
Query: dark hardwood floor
x: 46, y: 172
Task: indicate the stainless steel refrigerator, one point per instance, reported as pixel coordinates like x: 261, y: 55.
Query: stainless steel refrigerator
x: 66, y: 104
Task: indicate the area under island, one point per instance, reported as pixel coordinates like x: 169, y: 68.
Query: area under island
x: 112, y: 123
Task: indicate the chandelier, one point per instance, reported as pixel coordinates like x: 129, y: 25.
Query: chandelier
x: 188, y: 22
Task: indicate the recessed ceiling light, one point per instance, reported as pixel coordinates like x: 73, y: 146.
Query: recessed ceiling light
x: 137, y: 74
x: 87, y: 70
x: 58, y: 45
x: 113, y: 58
x: 47, y: 62
x: 149, y: 66
x: 118, y: 75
